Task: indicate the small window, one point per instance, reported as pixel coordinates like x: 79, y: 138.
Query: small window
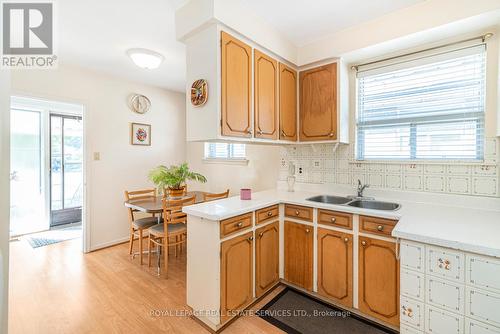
x: 225, y: 151
x: 426, y: 108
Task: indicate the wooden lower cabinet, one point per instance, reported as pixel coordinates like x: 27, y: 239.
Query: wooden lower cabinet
x: 266, y: 258
x: 299, y: 254
x: 379, y: 280
x: 236, y: 275
x: 335, y: 266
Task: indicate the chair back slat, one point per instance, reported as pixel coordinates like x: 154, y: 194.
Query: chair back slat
x: 138, y: 195
x: 172, y: 210
x: 212, y: 197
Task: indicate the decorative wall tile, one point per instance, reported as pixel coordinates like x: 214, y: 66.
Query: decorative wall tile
x: 358, y: 176
x: 435, y: 183
x: 329, y: 177
x: 376, y: 180
x: 393, y: 168
x: 459, y: 170
x: 413, y: 169
x: 394, y: 181
x: 343, y: 165
x: 375, y: 168
x: 329, y: 164
x: 459, y: 184
x: 315, y: 177
x: 343, y: 178
x: 484, y: 186
x: 485, y: 170
x: 435, y: 169
x: 413, y: 182
x: 357, y: 167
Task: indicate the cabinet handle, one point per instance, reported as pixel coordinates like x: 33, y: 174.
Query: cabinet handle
x: 240, y: 224
x: 408, y: 311
x: 363, y: 243
x: 331, y: 134
x: 308, y: 230
x: 261, y: 234
x: 260, y: 132
x: 297, y: 213
x: 269, y: 214
x: 334, y: 219
x: 283, y: 133
x: 346, y: 240
x: 380, y: 228
x: 250, y: 238
x: 249, y: 131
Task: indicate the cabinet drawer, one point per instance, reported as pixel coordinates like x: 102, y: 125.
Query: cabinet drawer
x: 235, y: 224
x: 483, y: 305
x: 439, y: 321
x: 333, y: 218
x: 404, y: 329
x: 445, y: 294
x: 412, y: 255
x: 412, y: 313
x: 475, y: 327
x: 376, y: 225
x: 483, y: 272
x: 412, y: 284
x: 267, y: 214
x: 299, y: 212
x: 445, y: 263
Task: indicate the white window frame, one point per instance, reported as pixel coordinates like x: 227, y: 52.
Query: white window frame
x: 228, y: 159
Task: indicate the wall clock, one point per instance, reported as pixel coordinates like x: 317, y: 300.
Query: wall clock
x: 199, y: 92
x: 140, y: 103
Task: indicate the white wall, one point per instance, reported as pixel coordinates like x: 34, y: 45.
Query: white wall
x: 107, y: 128
x: 4, y: 196
x: 261, y: 172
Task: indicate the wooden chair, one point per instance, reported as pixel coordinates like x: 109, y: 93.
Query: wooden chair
x: 137, y: 226
x: 172, y: 232
x: 212, y: 197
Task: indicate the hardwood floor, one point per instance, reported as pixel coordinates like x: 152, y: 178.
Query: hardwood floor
x: 58, y: 289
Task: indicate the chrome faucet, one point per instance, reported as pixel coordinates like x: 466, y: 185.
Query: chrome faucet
x: 361, y: 188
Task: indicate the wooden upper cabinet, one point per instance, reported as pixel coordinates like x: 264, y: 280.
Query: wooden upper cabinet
x: 236, y: 274
x: 236, y: 87
x: 318, y: 103
x: 288, y: 103
x: 299, y: 254
x: 379, y: 280
x: 266, y: 258
x: 265, y: 96
x: 335, y: 266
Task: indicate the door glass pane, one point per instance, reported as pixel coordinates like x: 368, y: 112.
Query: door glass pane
x: 73, y: 157
x: 56, y: 162
x: 26, y: 196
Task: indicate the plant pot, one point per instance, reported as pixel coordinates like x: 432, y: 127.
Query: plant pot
x: 176, y: 192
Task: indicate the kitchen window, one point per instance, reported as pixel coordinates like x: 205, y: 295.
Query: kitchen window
x: 430, y: 107
x: 225, y: 152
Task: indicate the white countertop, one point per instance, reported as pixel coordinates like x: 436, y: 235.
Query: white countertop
x: 469, y: 229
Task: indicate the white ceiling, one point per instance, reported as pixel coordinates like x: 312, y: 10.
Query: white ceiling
x: 96, y: 34
x: 304, y: 21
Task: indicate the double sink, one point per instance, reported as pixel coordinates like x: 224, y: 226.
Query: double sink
x: 355, y: 202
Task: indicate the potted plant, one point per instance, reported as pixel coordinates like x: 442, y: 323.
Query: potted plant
x: 173, y: 179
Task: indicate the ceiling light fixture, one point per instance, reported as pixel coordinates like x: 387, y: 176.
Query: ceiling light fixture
x: 145, y: 58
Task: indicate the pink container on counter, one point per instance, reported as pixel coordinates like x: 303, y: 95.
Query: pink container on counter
x: 245, y: 194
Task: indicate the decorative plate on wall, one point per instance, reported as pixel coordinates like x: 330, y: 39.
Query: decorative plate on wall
x: 140, y: 103
x: 199, y: 92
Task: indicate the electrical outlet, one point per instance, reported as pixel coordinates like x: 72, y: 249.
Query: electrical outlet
x: 97, y: 156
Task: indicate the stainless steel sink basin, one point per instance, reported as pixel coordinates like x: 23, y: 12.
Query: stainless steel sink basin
x: 329, y: 199
x: 375, y: 205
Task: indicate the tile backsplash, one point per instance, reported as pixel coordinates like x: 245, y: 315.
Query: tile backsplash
x: 321, y: 163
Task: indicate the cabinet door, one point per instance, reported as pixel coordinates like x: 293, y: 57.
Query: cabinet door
x: 288, y: 103
x: 335, y: 266
x: 266, y: 258
x: 236, y: 71
x: 318, y: 103
x: 236, y: 274
x: 265, y: 96
x: 379, y: 279
x: 299, y: 254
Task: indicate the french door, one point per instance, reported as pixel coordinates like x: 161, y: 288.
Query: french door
x: 66, y: 169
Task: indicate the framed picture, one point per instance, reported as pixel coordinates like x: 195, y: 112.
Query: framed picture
x: 140, y: 134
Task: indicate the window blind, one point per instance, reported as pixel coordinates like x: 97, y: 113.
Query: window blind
x: 225, y: 151
x: 426, y: 109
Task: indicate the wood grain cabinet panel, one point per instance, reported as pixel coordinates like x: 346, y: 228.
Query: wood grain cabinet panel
x: 335, y: 266
x: 379, y: 280
x: 288, y: 103
x: 376, y: 225
x: 236, y: 86
x: 333, y: 218
x: 235, y: 224
x: 236, y: 275
x: 266, y: 258
x: 299, y: 212
x: 318, y: 103
x: 265, y: 96
x: 267, y: 214
x: 299, y: 254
